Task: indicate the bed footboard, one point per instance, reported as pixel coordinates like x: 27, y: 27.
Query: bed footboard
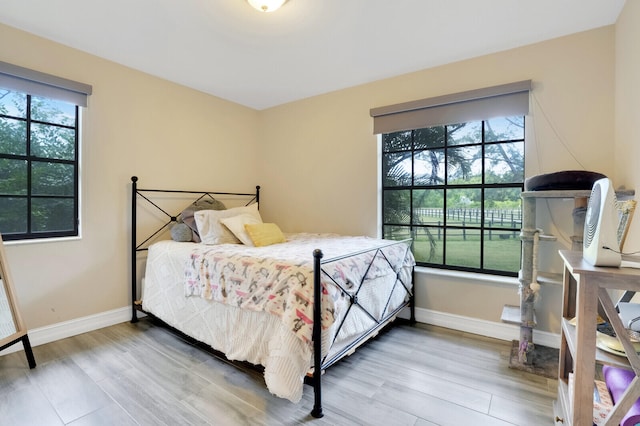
x: 320, y: 364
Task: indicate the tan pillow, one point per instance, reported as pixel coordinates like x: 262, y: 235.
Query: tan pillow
x: 264, y: 234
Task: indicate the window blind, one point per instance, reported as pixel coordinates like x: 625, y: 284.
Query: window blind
x: 480, y: 104
x: 38, y: 83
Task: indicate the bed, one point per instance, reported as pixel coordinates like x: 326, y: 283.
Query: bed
x: 295, y: 306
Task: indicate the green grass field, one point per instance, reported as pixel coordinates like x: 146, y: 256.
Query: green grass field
x: 501, y: 253
x: 502, y: 248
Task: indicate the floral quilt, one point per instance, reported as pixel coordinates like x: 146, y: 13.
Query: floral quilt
x: 278, y: 279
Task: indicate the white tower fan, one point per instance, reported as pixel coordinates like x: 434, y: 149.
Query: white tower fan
x: 600, y: 245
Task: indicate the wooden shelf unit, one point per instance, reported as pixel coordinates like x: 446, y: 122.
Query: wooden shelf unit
x: 584, y: 286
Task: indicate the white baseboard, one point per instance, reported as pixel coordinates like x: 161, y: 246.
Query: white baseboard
x: 497, y: 330
x: 62, y: 330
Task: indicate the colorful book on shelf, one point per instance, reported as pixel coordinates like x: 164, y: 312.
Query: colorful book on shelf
x: 602, y: 401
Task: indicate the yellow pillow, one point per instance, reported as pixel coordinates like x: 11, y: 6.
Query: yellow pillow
x: 264, y: 234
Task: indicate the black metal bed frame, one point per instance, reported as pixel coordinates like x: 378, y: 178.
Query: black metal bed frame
x: 319, y: 364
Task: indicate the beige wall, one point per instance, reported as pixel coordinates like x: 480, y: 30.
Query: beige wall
x: 316, y: 160
x: 319, y: 156
x: 627, y: 110
x: 135, y: 124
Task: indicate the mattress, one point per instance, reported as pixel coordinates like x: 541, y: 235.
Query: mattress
x: 261, y: 335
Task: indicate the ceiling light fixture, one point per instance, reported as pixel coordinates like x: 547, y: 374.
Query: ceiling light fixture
x: 266, y: 5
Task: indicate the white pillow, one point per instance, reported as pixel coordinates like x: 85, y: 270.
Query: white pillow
x: 236, y: 226
x: 213, y: 232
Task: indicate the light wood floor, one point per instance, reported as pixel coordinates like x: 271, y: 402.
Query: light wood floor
x: 142, y: 374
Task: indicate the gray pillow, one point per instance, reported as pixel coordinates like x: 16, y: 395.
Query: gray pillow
x: 181, y: 232
x: 204, y: 204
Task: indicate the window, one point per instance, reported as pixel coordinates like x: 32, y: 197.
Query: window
x: 454, y: 186
x: 39, y: 158
x: 455, y: 190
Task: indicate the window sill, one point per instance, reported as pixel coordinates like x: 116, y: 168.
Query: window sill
x: 483, y: 279
x: 42, y: 240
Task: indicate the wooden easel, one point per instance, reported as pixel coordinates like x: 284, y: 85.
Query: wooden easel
x: 12, y: 327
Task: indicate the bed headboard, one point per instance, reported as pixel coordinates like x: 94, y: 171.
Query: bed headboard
x: 165, y: 206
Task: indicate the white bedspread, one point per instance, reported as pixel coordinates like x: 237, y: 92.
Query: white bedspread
x: 264, y: 333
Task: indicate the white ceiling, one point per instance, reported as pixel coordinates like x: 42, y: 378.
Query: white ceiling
x: 308, y: 47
